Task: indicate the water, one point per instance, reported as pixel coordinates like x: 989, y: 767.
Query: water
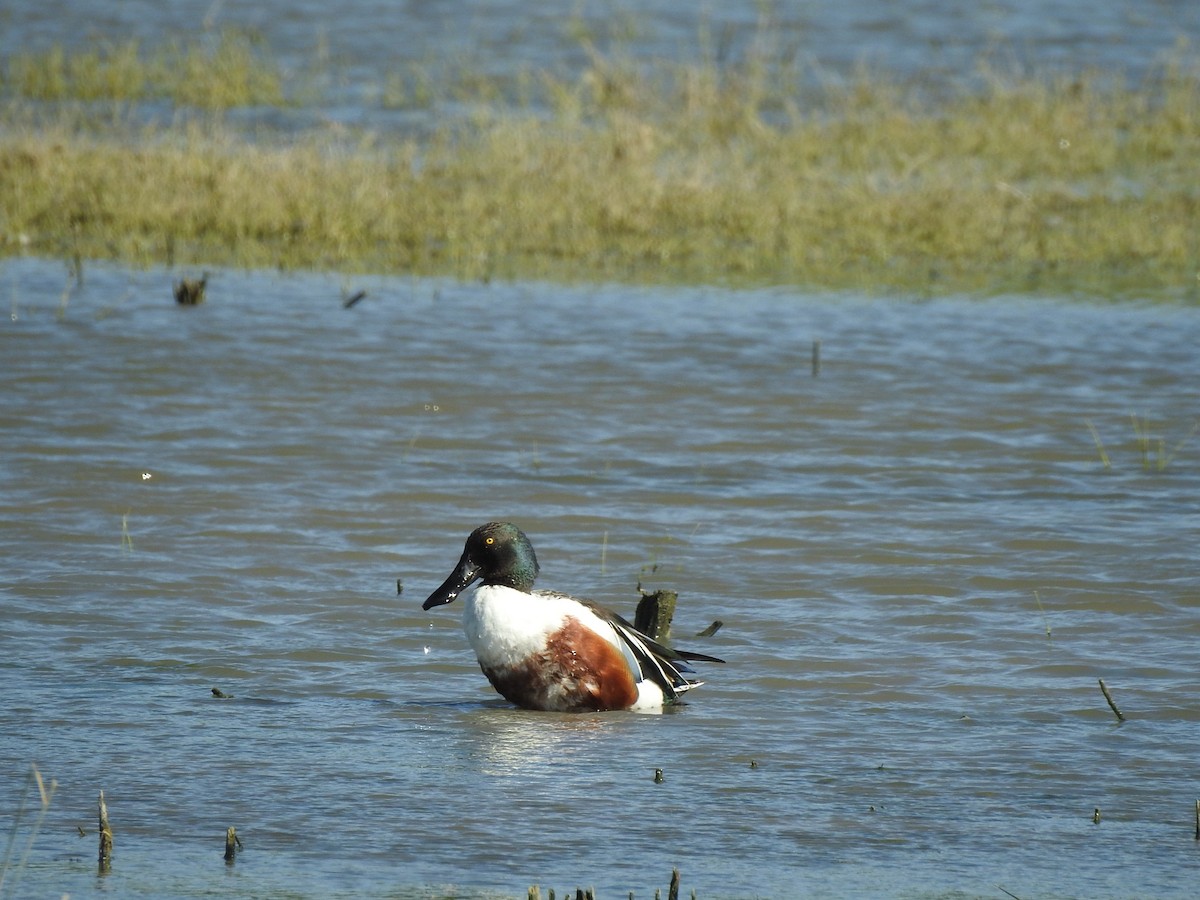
x: 921, y: 563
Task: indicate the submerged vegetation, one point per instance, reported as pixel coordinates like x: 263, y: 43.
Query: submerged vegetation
x: 732, y: 173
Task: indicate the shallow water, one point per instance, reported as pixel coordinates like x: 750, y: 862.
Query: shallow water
x: 921, y: 563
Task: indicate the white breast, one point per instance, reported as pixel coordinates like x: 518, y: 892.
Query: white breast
x: 505, y: 626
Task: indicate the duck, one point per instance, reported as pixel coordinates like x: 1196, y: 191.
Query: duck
x: 542, y: 650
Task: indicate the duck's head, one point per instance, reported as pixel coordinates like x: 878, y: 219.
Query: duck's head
x: 497, y: 553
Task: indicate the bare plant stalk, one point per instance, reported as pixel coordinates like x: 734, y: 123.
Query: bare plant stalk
x: 106, y: 838
x: 1099, y: 444
x: 1112, y: 703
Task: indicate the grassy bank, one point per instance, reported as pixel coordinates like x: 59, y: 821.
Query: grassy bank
x: 688, y: 173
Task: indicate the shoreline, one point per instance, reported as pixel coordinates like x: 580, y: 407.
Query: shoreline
x: 696, y: 175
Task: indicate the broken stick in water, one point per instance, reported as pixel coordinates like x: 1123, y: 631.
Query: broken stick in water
x: 106, y: 838
x: 233, y: 844
x: 1112, y: 703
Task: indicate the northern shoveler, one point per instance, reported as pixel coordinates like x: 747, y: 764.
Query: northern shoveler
x: 549, y: 651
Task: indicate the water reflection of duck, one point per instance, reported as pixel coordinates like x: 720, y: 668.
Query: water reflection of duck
x: 548, y: 651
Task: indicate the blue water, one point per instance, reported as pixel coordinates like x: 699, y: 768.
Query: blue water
x: 922, y: 564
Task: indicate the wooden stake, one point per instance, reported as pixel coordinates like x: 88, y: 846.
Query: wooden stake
x: 816, y: 359
x: 233, y: 844
x: 654, y: 614
x: 1112, y: 704
x: 106, y: 838
x: 673, y: 890
x: 1198, y: 820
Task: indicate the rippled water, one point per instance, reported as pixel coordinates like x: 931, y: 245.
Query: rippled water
x: 921, y: 563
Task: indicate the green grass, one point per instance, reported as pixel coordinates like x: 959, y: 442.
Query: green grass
x: 217, y: 71
x: 679, y: 173
x: 1153, y: 450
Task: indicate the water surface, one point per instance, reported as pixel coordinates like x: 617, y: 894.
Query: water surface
x: 921, y: 562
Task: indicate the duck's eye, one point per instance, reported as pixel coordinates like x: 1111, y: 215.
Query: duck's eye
x: 489, y: 541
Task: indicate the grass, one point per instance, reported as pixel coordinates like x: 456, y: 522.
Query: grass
x: 704, y: 172
x: 217, y: 71
x: 10, y: 868
x: 1151, y: 449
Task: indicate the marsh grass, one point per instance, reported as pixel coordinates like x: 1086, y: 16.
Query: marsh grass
x: 743, y: 174
x: 10, y: 868
x: 1152, y: 450
x: 216, y: 71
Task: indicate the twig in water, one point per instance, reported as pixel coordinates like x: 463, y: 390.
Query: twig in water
x: 1010, y: 893
x: 1112, y: 704
x: 711, y: 629
x: 1198, y: 820
x: 106, y: 838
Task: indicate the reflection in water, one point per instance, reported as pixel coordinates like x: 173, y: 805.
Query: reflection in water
x: 509, y: 741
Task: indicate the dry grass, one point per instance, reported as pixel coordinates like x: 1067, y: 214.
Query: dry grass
x: 217, y: 71
x: 693, y: 173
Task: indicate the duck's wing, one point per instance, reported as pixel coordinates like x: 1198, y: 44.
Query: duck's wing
x: 665, y: 666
